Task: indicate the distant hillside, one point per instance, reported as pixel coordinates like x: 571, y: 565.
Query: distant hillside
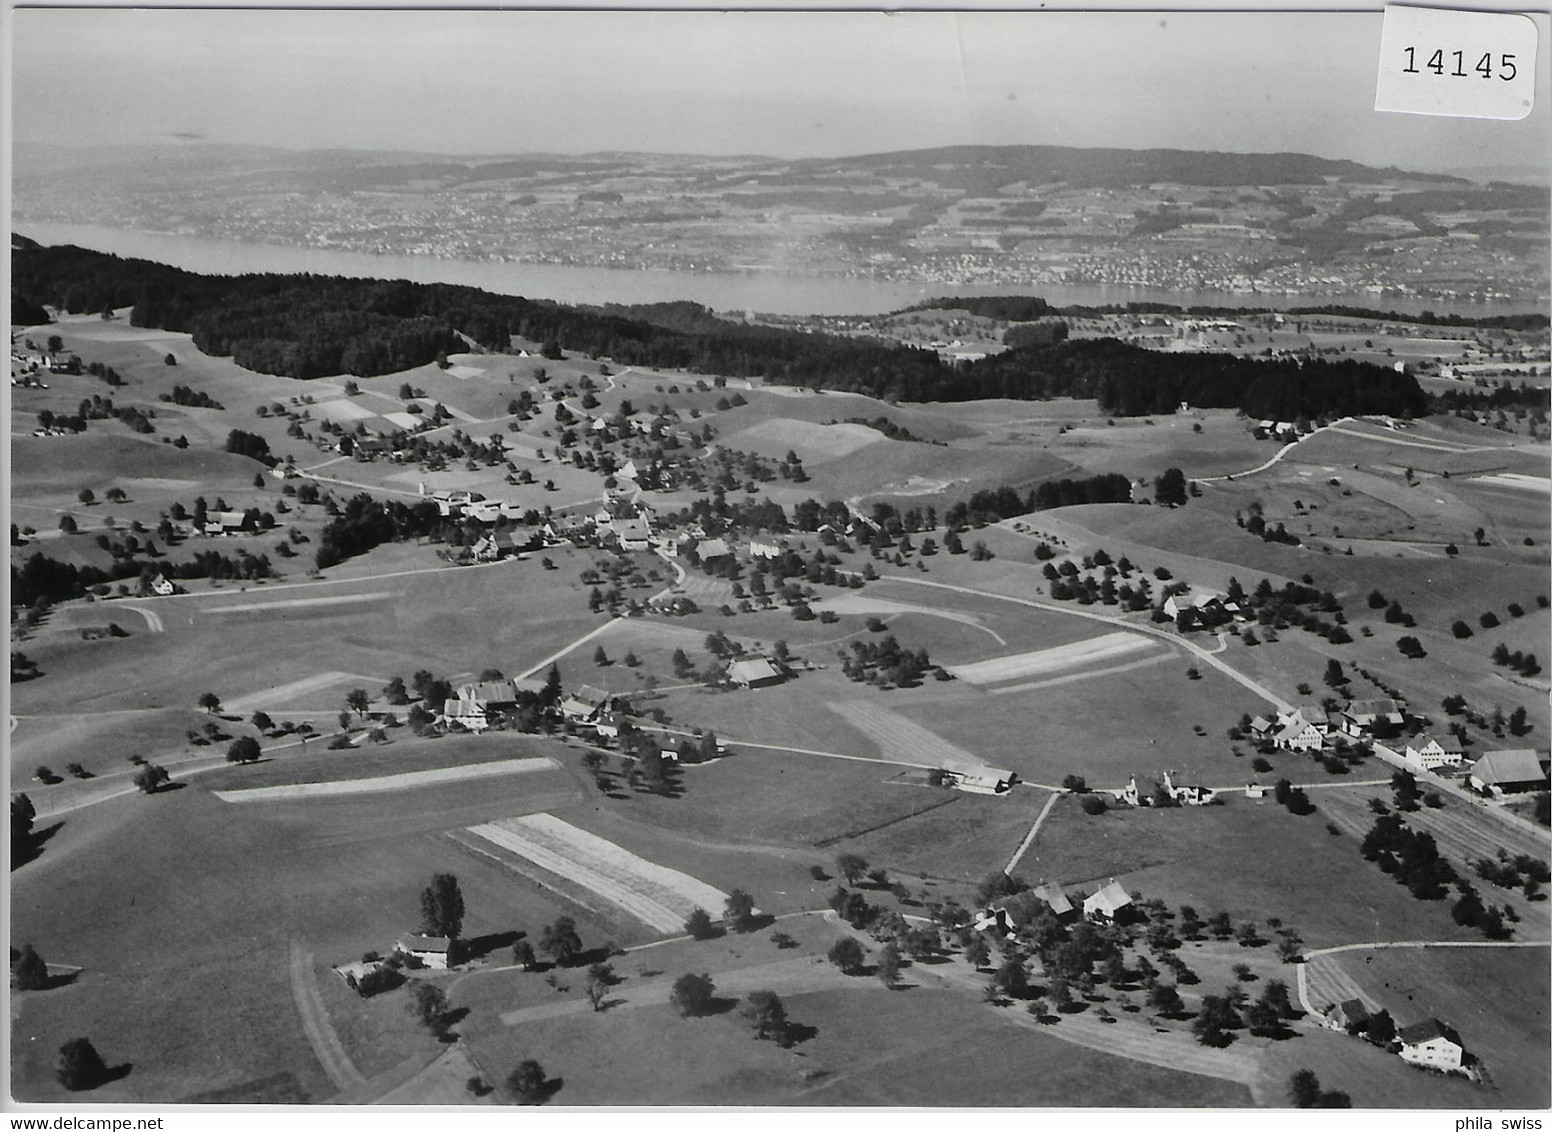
x: 985, y: 169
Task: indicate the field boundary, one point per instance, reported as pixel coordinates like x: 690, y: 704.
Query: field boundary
x: 387, y: 783
x: 829, y: 841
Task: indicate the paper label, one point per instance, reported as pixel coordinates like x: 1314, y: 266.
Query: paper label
x: 1457, y: 64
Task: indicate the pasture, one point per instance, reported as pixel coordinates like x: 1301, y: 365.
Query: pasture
x: 1495, y: 998
x: 213, y: 1007
x: 1251, y: 859
x: 869, y: 1046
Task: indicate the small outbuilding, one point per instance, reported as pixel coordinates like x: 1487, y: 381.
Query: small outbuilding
x: 432, y: 950
x: 1106, y: 902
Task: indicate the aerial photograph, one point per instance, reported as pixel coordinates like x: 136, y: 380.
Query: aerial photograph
x: 936, y: 560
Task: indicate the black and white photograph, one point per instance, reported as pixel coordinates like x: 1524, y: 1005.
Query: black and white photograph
x: 681, y: 559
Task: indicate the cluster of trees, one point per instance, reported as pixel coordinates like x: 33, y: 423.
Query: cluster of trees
x: 1522, y: 870
x: 886, y: 661
x: 99, y: 408
x: 196, y: 398
x: 43, y: 577
x: 364, y: 523
x: 989, y: 505
x: 1524, y: 663
x: 249, y: 444
x: 889, y: 428
x: 1129, y: 380
x: 1304, y: 1091
x: 1411, y: 857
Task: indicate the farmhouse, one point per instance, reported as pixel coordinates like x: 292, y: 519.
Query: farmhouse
x: 987, y: 780
x: 163, y: 586
x: 1426, y: 752
x: 585, y: 704
x: 227, y: 523
x: 566, y: 528
x: 1298, y: 736
x: 1261, y: 727
x: 711, y: 549
x: 1431, y: 1043
x: 632, y: 534
x: 1312, y: 714
x: 765, y: 548
x: 1509, y: 772
x: 1187, y: 795
x: 1372, y: 717
x: 465, y: 714
x: 608, y: 724
x: 1055, y: 899
x: 498, y: 545
x: 995, y: 919
x: 1141, y: 793
x: 1106, y: 902
x: 490, y: 695
x: 432, y: 950
x: 1345, y: 1016
x: 1255, y: 790
x: 756, y: 672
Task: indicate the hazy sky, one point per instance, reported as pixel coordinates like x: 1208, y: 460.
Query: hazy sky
x: 788, y: 84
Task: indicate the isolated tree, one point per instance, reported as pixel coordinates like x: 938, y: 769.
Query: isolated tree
x: 428, y: 1004
x: 766, y: 1014
x: 523, y: 955
x: 1011, y: 978
x: 80, y: 1065
x: 210, y: 702
x: 243, y: 750
x: 597, y: 988
x: 851, y: 867
x: 29, y: 972
x: 887, y: 965
x: 1170, y: 488
x: 357, y: 700
x: 847, y: 954
x: 1381, y: 1029
x: 698, y: 924
x: 739, y: 911
x: 1163, y: 998
x: 1304, y: 1089
x: 395, y: 692
x: 560, y: 941
x: 692, y: 995
x: 151, y: 778
x: 976, y: 952
x: 600, y: 658
x: 441, y: 907
x: 527, y: 1083
x: 86, y: 496
x: 1216, y: 1017
x: 262, y: 721
x: 23, y: 814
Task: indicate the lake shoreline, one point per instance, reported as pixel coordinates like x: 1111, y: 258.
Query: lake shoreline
x: 762, y: 291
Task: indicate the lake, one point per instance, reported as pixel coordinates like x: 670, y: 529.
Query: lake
x: 768, y: 292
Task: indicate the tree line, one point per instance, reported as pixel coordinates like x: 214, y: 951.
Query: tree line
x: 307, y: 326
